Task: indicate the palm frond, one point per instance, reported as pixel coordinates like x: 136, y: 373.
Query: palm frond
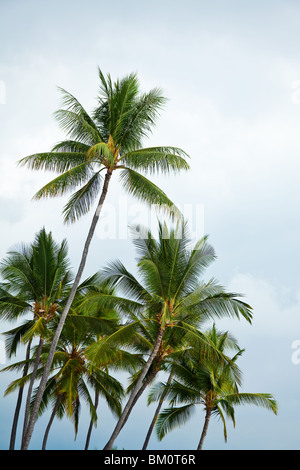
x: 81, y: 201
x: 224, y: 304
x: 13, y: 338
x: 138, y: 122
x: 75, y: 121
x: 265, y: 400
x: 66, y: 182
x: 95, y: 300
x: 54, y: 161
x: 156, y: 160
x: 38, y: 328
x: 103, y: 351
x: 12, y: 307
x: 144, y: 190
x: 116, y: 273
x: 172, y: 417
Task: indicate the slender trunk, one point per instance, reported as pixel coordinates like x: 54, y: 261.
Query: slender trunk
x: 160, y: 403
x: 59, y: 328
x: 88, y: 437
x: 57, y: 403
x: 19, y: 402
x: 205, y: 427
x: 136, y: 389
x: 32, y: 379
x: 139, y: 393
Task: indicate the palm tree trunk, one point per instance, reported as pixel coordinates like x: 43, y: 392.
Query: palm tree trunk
x: 160, y: 403
x: 32, y: 379
x: 88, y: 437
x: 57, y: 403
x: 135, y: 391
x: 59, y: 328
x: 19, y: 402
x: 139, y: 393
x: 205, y: 428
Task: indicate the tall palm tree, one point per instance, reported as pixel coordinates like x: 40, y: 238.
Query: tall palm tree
x: 184, y: 357
x: 36, y: 284
x: 107, y: 141
x: 170, y: 296
x: 36, y: 278
x: 211, y: 384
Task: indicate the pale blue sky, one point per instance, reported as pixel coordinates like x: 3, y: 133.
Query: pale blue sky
x: 229, y: 70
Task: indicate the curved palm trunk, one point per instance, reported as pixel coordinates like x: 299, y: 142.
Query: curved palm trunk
x: 135, y: 391
x: 19, y: 402
x: 160, y: 403
x: 33, y: 376
x: 88, y: 437
x: 205, y: 428
x: 59, y: 328
x: 57, y: 403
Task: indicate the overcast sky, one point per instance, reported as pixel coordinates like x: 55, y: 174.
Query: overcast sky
x: 231, y: 73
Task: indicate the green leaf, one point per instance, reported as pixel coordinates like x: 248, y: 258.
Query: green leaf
x: 54, y: 161
x: 76, y: 121
x: 81, y: 201
x: 156, y: 160
x: 66, y: 182
x: 170, y: 418
x: 144, y: 190
x: 104, y: 350
x: 38, y: 328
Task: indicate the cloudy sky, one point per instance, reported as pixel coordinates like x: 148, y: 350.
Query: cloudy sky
x: 231, y: 73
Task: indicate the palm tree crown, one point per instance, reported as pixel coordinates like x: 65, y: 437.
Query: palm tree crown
x: 209, y: 382
x: 108, y: 139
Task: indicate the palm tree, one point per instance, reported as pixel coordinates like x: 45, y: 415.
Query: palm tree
x: 169, y: 297
x: 36, y: 284
x: 211, y: 384
x: 35, y: 280
x: 184, y: 356
x: 73, y: 377
x: 107, y: 141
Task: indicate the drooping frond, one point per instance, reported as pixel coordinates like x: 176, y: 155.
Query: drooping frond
x: 224, y: 304
x: 66, y: 182
x: 54, y: 161
x: 71, y: 146
x: 156, y: 160
x: 116, y: 273
x: 145, y: 191
x: 172, y: 417
x: 265, y: 400
x: 81, y: 201
x: 13, y: 337
x: 97, y: 300
x: 103, y: 351
x: 11, y: 307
